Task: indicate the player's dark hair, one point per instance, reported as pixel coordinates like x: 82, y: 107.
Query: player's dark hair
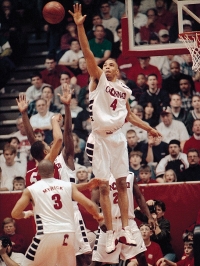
x: 37, y: 150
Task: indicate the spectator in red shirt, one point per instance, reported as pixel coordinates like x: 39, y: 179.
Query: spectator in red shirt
x: 145, y: 175
x: 145, y: 68
x: 164, y: 17
x: 51, y: 75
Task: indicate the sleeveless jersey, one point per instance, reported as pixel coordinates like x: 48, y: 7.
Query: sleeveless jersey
x: 108, y: 104
x: 32, y: 175
x: 114, y: 196
x: 66, y: 174
x: 53, y: 209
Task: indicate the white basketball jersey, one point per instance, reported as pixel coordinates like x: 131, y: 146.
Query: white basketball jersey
x: 66, y: 174
x: 108, y: 104
x: 114, y: 196
x: 53, y: 210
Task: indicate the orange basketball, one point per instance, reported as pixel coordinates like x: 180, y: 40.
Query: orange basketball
x: 53, y: 12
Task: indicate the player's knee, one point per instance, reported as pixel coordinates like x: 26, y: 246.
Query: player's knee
x: 104, y: 188
x: 121, y: 184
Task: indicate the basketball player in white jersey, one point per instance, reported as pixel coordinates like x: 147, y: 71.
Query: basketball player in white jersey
x: 63, y: 163
x: 106, y: 146
x: 53, y: 211
x: 99, y: 256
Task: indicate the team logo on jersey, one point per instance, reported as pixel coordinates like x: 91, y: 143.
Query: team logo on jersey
x: 114, y: 187
x: 115, y: 93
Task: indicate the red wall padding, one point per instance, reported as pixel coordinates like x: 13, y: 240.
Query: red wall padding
x: 182, y: 205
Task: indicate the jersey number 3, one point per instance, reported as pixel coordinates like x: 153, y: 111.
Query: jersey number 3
x: 114, y: 104
x: 58, y: 203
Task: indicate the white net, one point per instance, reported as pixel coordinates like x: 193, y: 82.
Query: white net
x: 192, y: 43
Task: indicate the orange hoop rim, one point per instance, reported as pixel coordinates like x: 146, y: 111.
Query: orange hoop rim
x: 191, y: 35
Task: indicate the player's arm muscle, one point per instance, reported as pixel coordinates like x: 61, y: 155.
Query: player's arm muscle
x: 22, y: 203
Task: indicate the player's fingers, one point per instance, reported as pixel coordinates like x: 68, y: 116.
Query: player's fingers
x: 71, y: 13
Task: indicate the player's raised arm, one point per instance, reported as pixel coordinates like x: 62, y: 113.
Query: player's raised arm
x: 68, y: 150
x: 23, y: 106
x: 79, y: 19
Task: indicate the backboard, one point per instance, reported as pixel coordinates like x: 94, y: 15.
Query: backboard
x: 131, y: 48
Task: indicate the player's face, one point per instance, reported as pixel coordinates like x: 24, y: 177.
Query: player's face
x: 145, y: 232
x: 9, y: 228
x: 110, y: 69
x: 169, y: 177
x: 46, y: 147
x: 18, y: 186
x: 9, y: 157
x: 37, y: 82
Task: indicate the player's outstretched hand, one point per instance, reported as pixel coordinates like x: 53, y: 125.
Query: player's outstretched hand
x: 22, y: 103
x: 57, y: 117
x: 66, y: 94
x: 153, y: 132
x: 77, y: 15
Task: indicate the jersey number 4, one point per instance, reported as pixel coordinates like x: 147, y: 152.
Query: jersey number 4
x: 114, y: 104
x: 57, y: 200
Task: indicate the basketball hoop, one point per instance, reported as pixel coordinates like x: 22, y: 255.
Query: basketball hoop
x: 192, y: 43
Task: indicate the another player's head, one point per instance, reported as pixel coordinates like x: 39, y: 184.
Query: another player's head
x: 46, y: 169
x: 9, y: 226
x: 18, y: 183
x: 145, y: 173
x: 110, y: 68
x: 39, y: 150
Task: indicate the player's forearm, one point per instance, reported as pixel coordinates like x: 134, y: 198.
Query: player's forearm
x: 28, y: 128
x: 83, y: 40
x: 8, y: 261
x: 143, y: 206
x: 135, y: 120
x: 67, y: 136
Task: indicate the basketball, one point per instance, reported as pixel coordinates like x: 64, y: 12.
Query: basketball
x: 53, y: 12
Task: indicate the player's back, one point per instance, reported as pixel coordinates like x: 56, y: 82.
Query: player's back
x: 53, y: 208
